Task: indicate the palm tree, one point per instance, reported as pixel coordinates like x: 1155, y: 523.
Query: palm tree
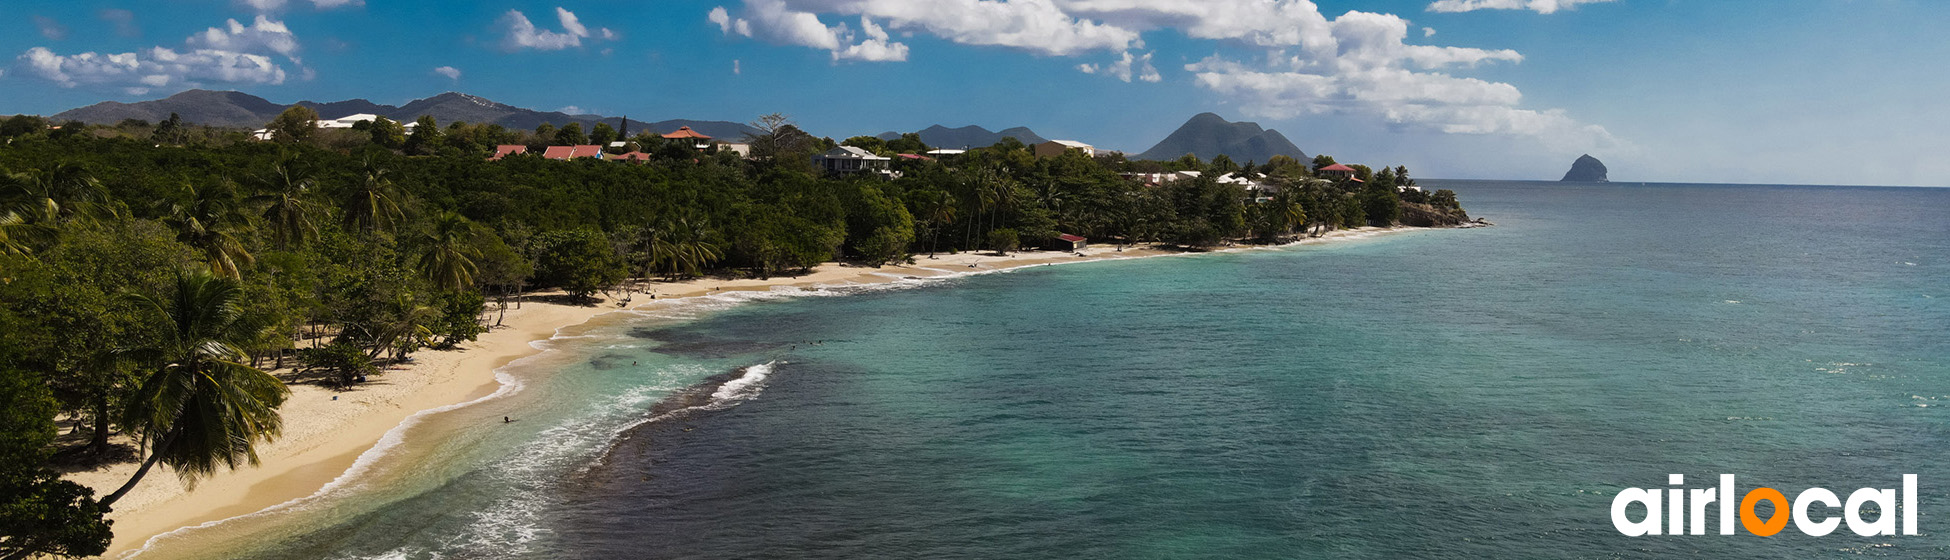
x: 283, y: 194
x: 64, y: 192
x: 372, y: 205
x: 937, y: 208
x: 200, y: 407
x: 681, y: 246
x: 449, y: 260
x: 18, y: 235
x: 207, y: 219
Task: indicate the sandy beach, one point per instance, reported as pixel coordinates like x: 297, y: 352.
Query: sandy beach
x: 326, y: 430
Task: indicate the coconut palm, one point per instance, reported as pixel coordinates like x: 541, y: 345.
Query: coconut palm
x: 372, y: 205
x: 937, y: 208
x: 449, y: 260
x: 66, y: 191
x: 200, y: 406
x: 283, y: 193
x: 207, y: 219
x: 680, y: 247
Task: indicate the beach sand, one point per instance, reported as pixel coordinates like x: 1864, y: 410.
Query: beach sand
x: 326, y: 430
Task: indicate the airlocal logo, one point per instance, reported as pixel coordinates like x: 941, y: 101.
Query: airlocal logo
x: 1815, y: 523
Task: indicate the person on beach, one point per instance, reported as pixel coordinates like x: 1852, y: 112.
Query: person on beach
x: 506, y: 420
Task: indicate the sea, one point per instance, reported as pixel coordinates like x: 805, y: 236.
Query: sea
x: 1447, y: 393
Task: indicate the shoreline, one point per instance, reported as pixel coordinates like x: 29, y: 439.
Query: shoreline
x: 328, y: 433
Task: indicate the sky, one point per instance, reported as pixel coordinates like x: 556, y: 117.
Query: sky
x: 1731, y: 91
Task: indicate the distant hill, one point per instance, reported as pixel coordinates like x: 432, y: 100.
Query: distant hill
x: 242, y: 110
x: 1587, y: 169
x: 1207, y: 135
x: 969, y: 136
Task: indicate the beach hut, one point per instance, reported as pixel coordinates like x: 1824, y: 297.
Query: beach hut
x: 1067, y: 242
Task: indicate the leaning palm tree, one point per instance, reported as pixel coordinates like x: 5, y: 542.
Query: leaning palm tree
x: 372, y: 205
x: 284, y: 195
x: 65, y: 191
x: 19, y: 235
x: 207, y: 220
x: 200, y: 406
x: 449, y: 260
x: 681, y: 247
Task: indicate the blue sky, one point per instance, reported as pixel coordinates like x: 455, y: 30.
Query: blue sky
x: 1782, y: 91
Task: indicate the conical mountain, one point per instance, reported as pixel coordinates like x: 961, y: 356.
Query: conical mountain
x: 1587, y: 169
x: 1207, y: 135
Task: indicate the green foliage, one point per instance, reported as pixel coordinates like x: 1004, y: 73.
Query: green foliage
x: 1380, y: 205
x: 602, y: 134
x: 1004, y: 240
x: 39, y: 512
x: 342, y: 359
x: 909, y: 143
x: 1322, y: 161
x: 570, y: 135
x: 425, y: 139
x: 579, y: 261
x: 387, y: 134
x: 296, y: 124
x: 868, y: 143
x: 460, y: 318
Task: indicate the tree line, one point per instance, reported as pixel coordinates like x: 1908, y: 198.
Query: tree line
x: 153, y: 276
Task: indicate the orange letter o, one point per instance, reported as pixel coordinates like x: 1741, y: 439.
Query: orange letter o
x: 1752, y: 522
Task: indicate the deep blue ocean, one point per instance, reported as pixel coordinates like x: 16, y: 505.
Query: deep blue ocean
x: 1478, y: 393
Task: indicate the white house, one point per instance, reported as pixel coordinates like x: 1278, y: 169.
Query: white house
x: 849, y: 159
x: 1055, y: 148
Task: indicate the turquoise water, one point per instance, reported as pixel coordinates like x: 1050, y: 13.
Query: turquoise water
x: 1440, y: 394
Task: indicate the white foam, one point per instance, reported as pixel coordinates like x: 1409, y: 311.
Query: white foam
x: 745, y: 386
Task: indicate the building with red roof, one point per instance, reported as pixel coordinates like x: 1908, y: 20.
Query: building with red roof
x: 1337, y: 171
x: 1068, y: 242
x: 506, y: 150
x: 572, y: 152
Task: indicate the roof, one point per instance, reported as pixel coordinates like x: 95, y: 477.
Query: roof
x: 1338, y: 167
x: 914, y: 156
x: 686, y: 132
x: 850, y: 152
x: 571, y: 152
x: 1072, y: 238
x: 632, y: 156
x: 506, y: 150
x: 1071, y: 144
x: 946, y: 152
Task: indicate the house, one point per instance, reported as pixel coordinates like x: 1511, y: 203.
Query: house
x: 348, y: 121
x: 742, y: 149
x: 1055, y: 148
x: 1067, y: 242
x: 849, y: 159
x: 572, y: 152
x: 940, y: 153
x: 1337, y: 171
x: 505, y: 150
x: 634, y: 157
x: 698, y: 140
x: 914, y: 157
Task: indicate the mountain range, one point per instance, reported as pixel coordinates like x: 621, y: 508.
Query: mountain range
x: 969, y: 136
x: 1207, y: 135
x: 242, y: 110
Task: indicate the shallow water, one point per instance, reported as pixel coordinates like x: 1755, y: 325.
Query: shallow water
x: 1450, y: 393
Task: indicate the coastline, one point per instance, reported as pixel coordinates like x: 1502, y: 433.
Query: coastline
x: 324, y: 438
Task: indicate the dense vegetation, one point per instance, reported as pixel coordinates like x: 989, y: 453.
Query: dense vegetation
x: 150, y: 275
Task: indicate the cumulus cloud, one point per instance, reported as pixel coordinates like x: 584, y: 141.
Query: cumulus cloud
x: 53, y: 30
x: 232, y: 54
x: 1033, y: 25
x: 735, y: 70
x: 1357, y: 63
x: 263, y: 35
x: 124, y: 21
x: 275, y: 5
x: 774, y: 21
x: 520, y: 33
x: 1125, y: 68
x: 1539, y: 6
x: 450, y: 72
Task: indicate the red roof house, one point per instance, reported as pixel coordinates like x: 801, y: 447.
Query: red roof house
x: 1067, y: 242
x: 1337, y: 171
x: 506, y: 150
x: 632, y: 156
x: 572, y: 152
x: 684, y: 132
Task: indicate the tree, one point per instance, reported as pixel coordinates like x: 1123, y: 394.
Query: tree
x: 868, y: 143
x: 387, y: 134
x: 425, y: 139
x: 1322, y: 161
x: 909, y: 143
x: 40, y: 514
x: 199, y: 407
x: 778, y: 138
x: 570, y: 135
x: 295, y: 124
x: 170, y: 131
x: 448, y: 262
x: 579, y: 261
x: 284, y: 193
x: 207, y: 219
x: 1004, y: 240
x: 602, y: 134
x: 680, y: 247
x: 371, y: 205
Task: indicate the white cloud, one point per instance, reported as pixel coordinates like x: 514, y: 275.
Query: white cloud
x: 262, y: 36
x: 53, y: 30
x: 450, y: 72
x: 1033, y: 25
x: 233, y: 54
x: 774, y: 21
x: 1428, y: 32
x: 570, y: 110
x: 1539, y: 6
x: 735, y: 70
x: 1125, y: 68
x: 522, y: 33
x: 155, y: 67
x: 275, y: 5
